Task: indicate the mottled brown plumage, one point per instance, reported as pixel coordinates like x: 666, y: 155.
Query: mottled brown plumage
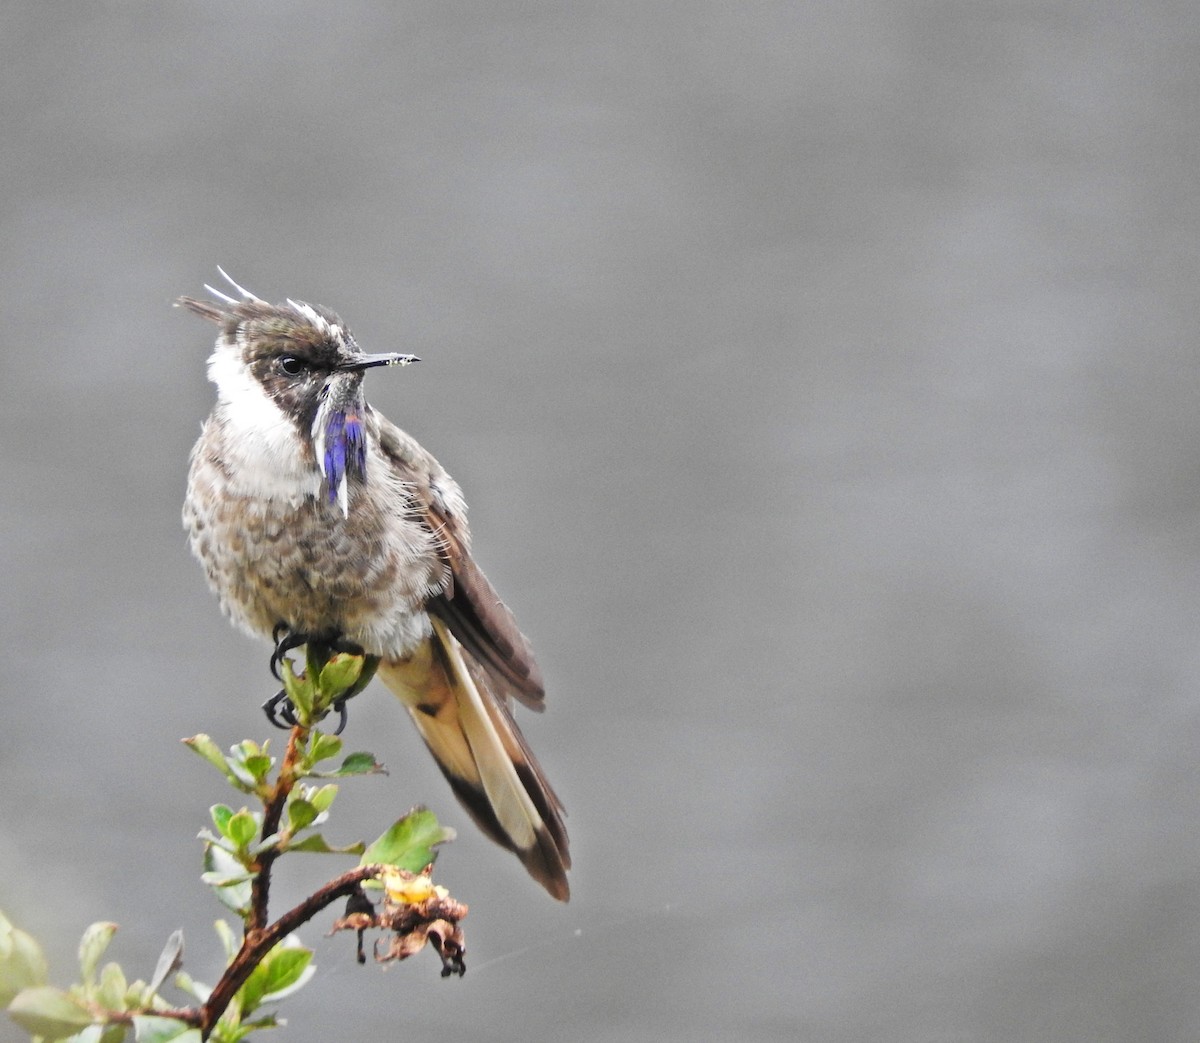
x: 309, y: 509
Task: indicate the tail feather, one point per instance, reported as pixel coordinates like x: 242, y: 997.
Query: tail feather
x: 481, y: 751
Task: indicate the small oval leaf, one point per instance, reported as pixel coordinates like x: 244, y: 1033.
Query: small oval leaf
x: 315, y: 843
x: 221, y: 814
x: 242, y: 828
x: 339, y: 674
x: 209, y: 750
x: 409, y: 843
x: 359, y: 764
x: 91, y: 947
x: 111, y: 993
x: 169, y: 961
x: 323, y: 746
x: 322, y: 798
x: 48, y: 1012
x: 147, y: 1028
x: 22, y: 963
x: 300, y: 814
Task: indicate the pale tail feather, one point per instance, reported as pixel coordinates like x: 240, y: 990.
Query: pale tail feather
x: 477, y: 744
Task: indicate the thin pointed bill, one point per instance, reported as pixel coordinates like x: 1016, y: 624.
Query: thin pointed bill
x: 371, y: 361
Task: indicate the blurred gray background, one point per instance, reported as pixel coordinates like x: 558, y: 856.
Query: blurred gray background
x: 823, y: 380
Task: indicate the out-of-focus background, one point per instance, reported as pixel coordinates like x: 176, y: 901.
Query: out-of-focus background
x: 823, y: 379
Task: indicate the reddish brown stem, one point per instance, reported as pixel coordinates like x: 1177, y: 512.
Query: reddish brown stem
x: 260, y: 941
x: 272, y: 815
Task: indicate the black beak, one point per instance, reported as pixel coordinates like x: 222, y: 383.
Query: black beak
x: 362, y: 362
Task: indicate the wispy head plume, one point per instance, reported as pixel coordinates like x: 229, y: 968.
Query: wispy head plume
x: 246, y: 294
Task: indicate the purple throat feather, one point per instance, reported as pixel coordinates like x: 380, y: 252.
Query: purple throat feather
x: 345, y: 450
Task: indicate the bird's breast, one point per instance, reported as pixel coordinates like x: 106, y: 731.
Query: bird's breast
x: 280, y: 552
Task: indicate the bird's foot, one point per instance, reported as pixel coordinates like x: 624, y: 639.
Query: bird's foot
x: 280, y: 709
x: 281, y: 712
x: 327, y: 643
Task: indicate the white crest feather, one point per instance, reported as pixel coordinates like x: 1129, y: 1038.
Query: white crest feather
x: 318, y: 321
x: 246, y: 294
x: 217, y: 293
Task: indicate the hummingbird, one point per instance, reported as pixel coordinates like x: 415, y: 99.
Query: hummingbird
x: 316, y: 517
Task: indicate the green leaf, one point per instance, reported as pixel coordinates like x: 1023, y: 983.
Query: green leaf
x: 290, y: 970
x: 259, y: 766
x: 242, y: 827
x: 112, y: 1033
x: 300, y: 814
x: 196, y: 989
x: 322, y: 798
x: 263, y: 1021
x: 409, y: 843
x: 228, y: 878
x: 22, y: 964
x: 280, y: 972
x: 224, y: 843
x: 95, y: 1033
x: 209, y: 750
x: 314, y: 843
x: 48, y: 1012
x: 321, y: 747
x: 221, y: 814
x: 250, y: 764
x: 111, y: 993
x: 266, y: 844
x: 91, y: 947
x: 225, y: 880
x: 148, y: 1028
x: 299, y: 690
x: 169, y: 961
x: 339, y: 674
x: 355, y: 764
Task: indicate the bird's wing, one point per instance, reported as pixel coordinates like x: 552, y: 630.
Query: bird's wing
x: 482, y: 753
x: 469, y: 605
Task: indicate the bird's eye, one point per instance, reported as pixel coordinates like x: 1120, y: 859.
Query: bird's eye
x: 290, y: 365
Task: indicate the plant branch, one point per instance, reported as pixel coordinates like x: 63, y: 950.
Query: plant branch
x: 259, y: 941
x: 272, y: 815
x: 240, y: 856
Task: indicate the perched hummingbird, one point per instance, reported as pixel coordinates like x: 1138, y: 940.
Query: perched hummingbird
x: 315, y: 516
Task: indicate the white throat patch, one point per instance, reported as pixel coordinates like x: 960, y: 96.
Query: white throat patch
x: 267, y: 458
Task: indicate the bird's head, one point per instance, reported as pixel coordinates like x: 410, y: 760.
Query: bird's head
x: 294, y: 364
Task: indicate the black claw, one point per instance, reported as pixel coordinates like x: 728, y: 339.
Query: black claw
x: 282, y: 714
x: 280, y: 711
x: 343, y: 716
x: 285, y: 641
